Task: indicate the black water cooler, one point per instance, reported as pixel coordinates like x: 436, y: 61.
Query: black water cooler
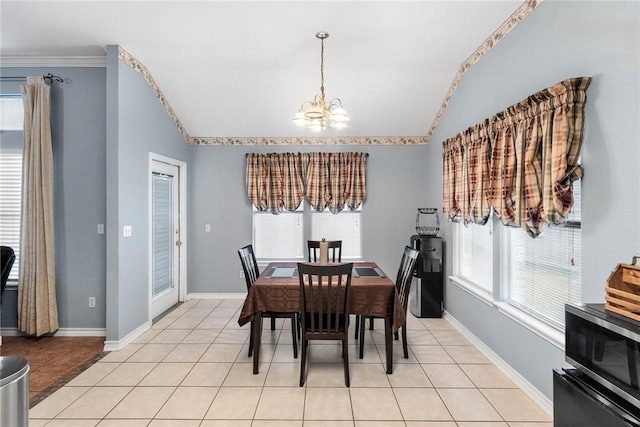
x: 427, y: 290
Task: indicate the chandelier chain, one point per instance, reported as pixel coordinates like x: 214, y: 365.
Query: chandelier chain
x: 322, y: 68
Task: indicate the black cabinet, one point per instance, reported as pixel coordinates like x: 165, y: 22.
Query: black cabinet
x: 427, y: 290
x: 580, y: 402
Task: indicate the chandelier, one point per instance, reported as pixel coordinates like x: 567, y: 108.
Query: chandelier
x: 316, y: 114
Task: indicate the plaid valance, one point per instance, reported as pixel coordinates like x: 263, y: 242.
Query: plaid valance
x: 521, y: 162
x: 278, y: 182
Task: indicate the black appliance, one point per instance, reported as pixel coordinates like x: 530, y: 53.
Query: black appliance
x: 427, y: 291
x: 602, y: 388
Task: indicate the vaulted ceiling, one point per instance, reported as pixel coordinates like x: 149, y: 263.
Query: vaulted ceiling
x: 243, y: 68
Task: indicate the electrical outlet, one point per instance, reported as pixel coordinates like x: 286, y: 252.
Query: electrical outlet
x: 100, y: 228
x: 92, y: 302
x: 207, y: 228
x: 241, y: 274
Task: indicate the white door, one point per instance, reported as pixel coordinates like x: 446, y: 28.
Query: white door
x: 165, y: 236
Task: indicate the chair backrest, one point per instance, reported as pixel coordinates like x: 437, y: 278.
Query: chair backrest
x: 8, y: 257
x: 249, y: 265
x: 405, y: 274
x: 325, y: 292
x: 335, y: 247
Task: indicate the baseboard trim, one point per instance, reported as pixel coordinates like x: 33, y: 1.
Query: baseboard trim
x: 543, y: 401
x: 62, y: 332
x: 120, y: 344
x: 217, y: 296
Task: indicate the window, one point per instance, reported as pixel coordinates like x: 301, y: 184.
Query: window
x: 343, y: 226
x: 278, y: 236
x: 475, y: 260
x: 544, y: 273
x: 539, y: 275
x: 11, y: 113
x: 11, y: 123
x: 284, y: 237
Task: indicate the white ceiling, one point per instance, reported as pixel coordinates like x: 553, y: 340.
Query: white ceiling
x: 243, y: 68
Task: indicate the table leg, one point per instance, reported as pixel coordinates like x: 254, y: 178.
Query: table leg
x: 388, y: 342
x: 255, y: 332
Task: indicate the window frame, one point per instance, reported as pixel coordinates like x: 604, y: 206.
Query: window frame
x: 306, y: 212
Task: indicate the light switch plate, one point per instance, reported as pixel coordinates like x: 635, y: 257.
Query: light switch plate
x: 126, y: 231
x: 100, y: 228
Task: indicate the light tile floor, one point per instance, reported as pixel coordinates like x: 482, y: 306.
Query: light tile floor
x: 191, y: 369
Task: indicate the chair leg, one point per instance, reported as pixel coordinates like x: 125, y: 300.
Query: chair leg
x: 303, y: 361
x: 294, y: 335
x: 357, y: 334
x: 273, y: 323
x: 345, y: 360
x: 371, y: 323
x: 361, y: 344
x: 251, y: 340
x: 396, y: 336
x: 404, y: 342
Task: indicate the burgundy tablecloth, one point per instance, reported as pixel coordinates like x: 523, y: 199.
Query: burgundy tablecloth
x: 370, y: 296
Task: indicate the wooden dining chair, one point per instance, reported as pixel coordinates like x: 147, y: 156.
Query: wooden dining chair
x: 335, y: 250
x: 251, y: 273
x: 325, y: 291
x: 403, y: 286
x: 8, y: 258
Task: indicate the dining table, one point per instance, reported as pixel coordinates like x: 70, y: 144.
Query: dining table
x: 373, y: 294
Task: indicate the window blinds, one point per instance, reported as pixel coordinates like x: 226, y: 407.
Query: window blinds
x: 10, y: 201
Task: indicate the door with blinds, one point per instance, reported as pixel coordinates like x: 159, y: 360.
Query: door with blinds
x: 165, y: 236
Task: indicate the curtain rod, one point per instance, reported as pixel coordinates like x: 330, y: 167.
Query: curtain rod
x: 330, y: 152
x: 49, y: 76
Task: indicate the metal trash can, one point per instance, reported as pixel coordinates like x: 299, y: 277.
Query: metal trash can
x: 14, y: 391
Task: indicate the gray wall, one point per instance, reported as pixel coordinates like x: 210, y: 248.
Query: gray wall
x: 78, y: 139
x: 137, y: 124
x: 561, y: 40
x: 105, y: 123
x: 396, y: 187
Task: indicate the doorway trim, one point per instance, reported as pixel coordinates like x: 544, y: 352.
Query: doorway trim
x: 182, y: 250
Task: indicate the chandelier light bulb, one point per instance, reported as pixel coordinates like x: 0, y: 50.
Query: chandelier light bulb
x: 299, y: 119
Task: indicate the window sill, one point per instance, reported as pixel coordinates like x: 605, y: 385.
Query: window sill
x: 12, y: 285
x: 538, y: 327
x: 473, y: 289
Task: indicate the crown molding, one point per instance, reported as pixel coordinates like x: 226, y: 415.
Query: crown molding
x: 53, y: 61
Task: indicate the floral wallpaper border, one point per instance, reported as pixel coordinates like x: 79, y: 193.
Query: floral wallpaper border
x: 518, y: 16
x: 351, y: 140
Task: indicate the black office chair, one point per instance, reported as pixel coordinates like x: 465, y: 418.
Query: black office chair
x: 324, y: 309
x: 251, y: 273
x: 8, y: 257
x: 403, y: 286
x: 335, y: 250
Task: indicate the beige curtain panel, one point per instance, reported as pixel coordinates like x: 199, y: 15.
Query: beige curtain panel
x: 37, y: 306
x: 278, y: 182
x: 521, y: 162
x: 274, y: 183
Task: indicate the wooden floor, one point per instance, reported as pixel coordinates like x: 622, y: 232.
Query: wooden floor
x: 53, y: 361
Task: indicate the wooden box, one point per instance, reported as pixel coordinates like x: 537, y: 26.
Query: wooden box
x: 623, y: 290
